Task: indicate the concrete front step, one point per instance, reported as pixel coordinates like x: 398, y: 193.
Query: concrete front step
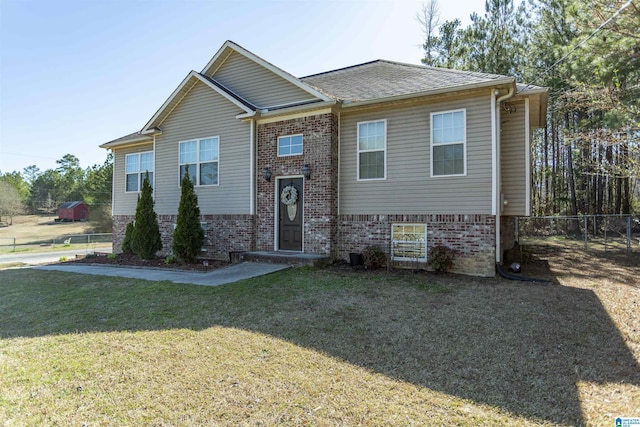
x: 291, y: 258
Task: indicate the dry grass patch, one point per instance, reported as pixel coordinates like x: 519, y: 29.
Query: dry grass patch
x: 314, y: 347
x: 30, y: 231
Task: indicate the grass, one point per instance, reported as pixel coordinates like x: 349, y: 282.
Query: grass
x: 6, y: 265
x: 319, y: 347
x: 30, y: 231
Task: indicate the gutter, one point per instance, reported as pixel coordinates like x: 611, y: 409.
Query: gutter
x: 496, y: 170
x: 264, y: 113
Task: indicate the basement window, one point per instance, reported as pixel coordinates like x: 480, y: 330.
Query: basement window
x: 409, y: 242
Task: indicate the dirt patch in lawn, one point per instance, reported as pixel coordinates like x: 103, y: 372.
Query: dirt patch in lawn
x: 130, y: 260
x: 38, y: 228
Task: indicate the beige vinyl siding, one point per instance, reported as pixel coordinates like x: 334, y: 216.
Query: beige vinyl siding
x: 125, y: 203
x: 512, y: 153
x: 408, y: 188
x: 256, y: 84
x: 204, y: 113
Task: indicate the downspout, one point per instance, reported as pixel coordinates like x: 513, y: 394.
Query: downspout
x: 497, y: 171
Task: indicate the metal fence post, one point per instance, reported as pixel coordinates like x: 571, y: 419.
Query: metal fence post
x: 585, y: 232
x: 14, y: 244
x: 606, y: 225
x: 629, y: 233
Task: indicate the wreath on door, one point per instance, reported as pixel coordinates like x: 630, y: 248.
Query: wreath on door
x: 289, y: 195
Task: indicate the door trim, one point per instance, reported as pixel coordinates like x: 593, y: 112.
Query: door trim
x: 276, y: 212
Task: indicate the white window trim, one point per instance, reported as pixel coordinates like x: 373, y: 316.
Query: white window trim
x: 401, y: 258
x: 289, y: 136
x: 198, y: 162
x: 463, y: 142
x: 358, y: 151
x: 139, y: 173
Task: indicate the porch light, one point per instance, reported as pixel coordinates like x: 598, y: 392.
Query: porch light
x: 306, y: 171
x: 266, y: 174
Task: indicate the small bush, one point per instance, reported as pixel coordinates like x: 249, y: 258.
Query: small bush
x: 374, y: 257
x: 126, y: 243
x: 63, y: 258
x: 170, y: 260
x: 441, y: 258
x: 112, y: 256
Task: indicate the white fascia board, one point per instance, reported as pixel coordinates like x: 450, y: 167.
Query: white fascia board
x: 166, y: 103
x: 450, y: 89
x: 192, y: 75
x: 264, y: 114
x: 255, y: 58
x: 142, y: 139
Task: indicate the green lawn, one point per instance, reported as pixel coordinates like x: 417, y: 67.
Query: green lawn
x: 309, y: 347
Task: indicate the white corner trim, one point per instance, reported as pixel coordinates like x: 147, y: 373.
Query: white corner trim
x: 494, y: 154
x: 527, y: 157
x: 252, y: 168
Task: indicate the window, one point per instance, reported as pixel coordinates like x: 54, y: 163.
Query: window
x: 409, y: 242
x: 201, y: 156
x: 136, y: 166
x: 372, y: 147
x: 448, y: 141
x: 289, y: 145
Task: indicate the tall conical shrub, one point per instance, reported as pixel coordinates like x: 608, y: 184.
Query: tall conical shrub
x: 188, y: 236
x: 126, y: 243
x: 145, y: 239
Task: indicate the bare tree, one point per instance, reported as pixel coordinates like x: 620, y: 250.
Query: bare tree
x: 10, y: 201
x: 429, y: 19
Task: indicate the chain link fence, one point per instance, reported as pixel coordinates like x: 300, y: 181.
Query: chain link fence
x: 88, y: 241
x: 589, y: 232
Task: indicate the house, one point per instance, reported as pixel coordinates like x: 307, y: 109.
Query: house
x: 402, y: 156
x: 73, y: 211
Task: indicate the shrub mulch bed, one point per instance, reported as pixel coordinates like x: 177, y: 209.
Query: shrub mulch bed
x: 130, y: 260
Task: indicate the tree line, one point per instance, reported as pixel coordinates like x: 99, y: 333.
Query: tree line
x: 34, y: 191
x: 587, y: 159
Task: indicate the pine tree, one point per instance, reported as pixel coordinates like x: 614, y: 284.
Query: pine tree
x: 188, y: 236
x: 145, y: 239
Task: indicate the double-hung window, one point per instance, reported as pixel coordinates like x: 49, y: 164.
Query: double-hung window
x: 372, y: 150
x: 448, y: 143
x: 136, y: 167
x: 289, y: 145
x: 202, y: 158
x: 409, y: 242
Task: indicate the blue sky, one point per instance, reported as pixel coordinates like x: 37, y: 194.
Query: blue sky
x: 77, y: 73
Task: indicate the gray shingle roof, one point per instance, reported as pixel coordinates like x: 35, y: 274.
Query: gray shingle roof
x: 135, y: 136
x: 383, y: 79
x: 69, y: 205
x: 228, y: 92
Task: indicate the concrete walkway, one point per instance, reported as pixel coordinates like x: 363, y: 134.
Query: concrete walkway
x: 221, y: 276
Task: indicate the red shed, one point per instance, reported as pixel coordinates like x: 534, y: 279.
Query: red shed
x: 73, y: 211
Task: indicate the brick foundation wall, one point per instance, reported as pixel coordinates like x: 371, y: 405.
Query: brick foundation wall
x: 224, y: 233
x: 472, y: 236
x: 320, y: 152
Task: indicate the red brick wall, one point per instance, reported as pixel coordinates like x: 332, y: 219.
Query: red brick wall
x: 224, y: 233
x: 472, y: 236
x: 320, y: 152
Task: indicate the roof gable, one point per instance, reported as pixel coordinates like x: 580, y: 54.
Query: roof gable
x: 257, y: 80
x: 183, y: 89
